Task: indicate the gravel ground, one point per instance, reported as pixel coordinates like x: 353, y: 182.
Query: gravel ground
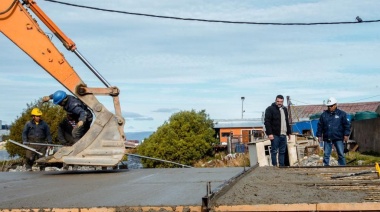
x: 272, y: 185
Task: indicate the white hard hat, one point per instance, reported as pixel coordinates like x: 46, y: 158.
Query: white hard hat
x: 331, y: 101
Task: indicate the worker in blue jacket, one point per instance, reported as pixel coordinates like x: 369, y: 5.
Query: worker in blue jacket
x: 76, y: 108
x: 35, y: 131
x: 333, y: 129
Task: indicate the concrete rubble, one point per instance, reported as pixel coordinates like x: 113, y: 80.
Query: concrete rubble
x: 315, y: 160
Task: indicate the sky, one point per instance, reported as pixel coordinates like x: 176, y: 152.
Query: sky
x: 164, y: 66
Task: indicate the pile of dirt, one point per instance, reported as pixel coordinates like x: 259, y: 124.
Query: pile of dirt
x: 225, y: 160
x: 272, y: 185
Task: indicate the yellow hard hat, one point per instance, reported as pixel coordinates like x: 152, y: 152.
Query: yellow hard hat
x: 36, y: 112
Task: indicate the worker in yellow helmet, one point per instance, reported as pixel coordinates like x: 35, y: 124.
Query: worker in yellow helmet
x: 35, y: 131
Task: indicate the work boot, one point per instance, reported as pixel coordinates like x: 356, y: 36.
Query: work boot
x: 24, y: 167
x: 28, y: 167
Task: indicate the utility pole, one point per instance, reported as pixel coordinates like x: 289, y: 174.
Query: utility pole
x: 242, y: 106
x: 289, y: 109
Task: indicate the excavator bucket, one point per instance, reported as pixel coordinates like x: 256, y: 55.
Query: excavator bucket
x: 102, y: 145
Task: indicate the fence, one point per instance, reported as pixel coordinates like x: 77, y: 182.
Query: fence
x: 239, y: 143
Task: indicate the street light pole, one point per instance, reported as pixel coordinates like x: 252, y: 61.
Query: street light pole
x: 242, y: 108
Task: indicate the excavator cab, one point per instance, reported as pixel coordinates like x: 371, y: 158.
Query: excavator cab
x: 103, y: 144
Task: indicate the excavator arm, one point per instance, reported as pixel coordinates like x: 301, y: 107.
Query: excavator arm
x: 103, y: 144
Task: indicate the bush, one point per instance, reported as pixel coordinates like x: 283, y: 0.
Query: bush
x: 187, y: 137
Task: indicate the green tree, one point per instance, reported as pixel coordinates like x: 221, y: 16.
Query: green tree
x: 52, y: 115
x: 187, y: 137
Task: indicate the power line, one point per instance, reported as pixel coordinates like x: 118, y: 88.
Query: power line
x: 299, y: 101
x: 359, y: 21
x: 351, y: 101
x: 366, y: 98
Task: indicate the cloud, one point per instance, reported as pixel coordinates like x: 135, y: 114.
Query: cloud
x: 136, y: 116
x: 166, y: 110
x: 144, y: 119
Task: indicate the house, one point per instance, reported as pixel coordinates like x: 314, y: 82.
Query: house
x: 240, y: 130
x: 304, y: 118
x: 131, y: 143
x: 303, y: 112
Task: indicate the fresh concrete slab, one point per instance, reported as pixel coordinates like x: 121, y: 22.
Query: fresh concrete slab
x: 139, y: 187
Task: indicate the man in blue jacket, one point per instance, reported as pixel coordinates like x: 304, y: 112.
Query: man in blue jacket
x: 35, y: 131
x: 333, y: 129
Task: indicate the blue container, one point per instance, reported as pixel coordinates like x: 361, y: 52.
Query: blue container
x: 350, y: 116
x: 302, y: 126
x: 240, y: 148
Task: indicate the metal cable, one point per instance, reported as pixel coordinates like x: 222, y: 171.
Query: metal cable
x: 215, y: 21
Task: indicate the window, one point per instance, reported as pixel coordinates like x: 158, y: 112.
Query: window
x: 226, y: 134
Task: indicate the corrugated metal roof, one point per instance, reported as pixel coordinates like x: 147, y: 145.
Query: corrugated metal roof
x: 237, y: 123
x: 303, y: 112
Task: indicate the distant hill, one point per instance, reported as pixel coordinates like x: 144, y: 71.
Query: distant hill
x: 138, y: 135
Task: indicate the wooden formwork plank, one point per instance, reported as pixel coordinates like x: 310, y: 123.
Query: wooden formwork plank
x: 99, y: 209
x: 364, y: 206
x: 112, y: 209
x: 45, y: 210
x: 163, y: 208
x: 272, y: 207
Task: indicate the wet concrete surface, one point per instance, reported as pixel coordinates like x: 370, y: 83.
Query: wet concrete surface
x: 138, y: 187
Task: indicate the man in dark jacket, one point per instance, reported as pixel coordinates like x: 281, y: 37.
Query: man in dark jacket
x: 277, y: 129
x: 76, y: 107
x: 65, y: 128
x: 333, y: 129
x: 35, y: 131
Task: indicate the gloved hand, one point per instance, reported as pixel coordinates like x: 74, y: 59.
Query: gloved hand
x: 50, y: 151
x: 45, y: 98
x: 25, y: 143
x: 79, y: 124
